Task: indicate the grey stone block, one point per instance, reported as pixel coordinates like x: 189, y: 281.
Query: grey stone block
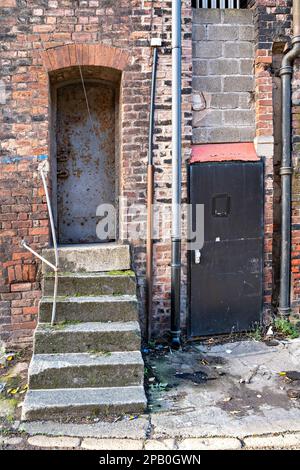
x: 124, y: 429
x: 117, y: 369
x: 223, y: 67
x: 246, y: 32
x: 239, y: 50
x: 90, y: 284
x: 238, y: 83
x: 207, y: 84
x: 99, y: 309
x: 85, y: 337
x: 239, y: 117
x: 246, y: 100
x: 199, y: 135
x: 206, y: 16
x: 222, y: 32
x: 90, y: 258
x: 200, y: 67
x: 207, y: 49
x: 247, y: 134
x: 45, y: 404
x: 247, y: 66
x: 198, y: 32
x: 237, y: 16
x: 207, y: 118
x: 225, y: 100
x: 223, y: 134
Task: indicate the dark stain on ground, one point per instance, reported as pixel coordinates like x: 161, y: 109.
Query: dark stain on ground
x: 242, y: 400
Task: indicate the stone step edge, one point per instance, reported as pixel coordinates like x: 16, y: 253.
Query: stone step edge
x: 42, y: 362
x: 90, y: 299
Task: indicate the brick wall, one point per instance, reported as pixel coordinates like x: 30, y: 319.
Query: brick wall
x: 272, y: 32
x: 223, y: 76
x: 29, y: 27
x: 33, y: 26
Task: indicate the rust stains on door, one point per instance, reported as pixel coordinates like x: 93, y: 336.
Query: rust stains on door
x: 85, y: 159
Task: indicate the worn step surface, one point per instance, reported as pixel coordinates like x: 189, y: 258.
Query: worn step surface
x: 57, y: 403
x: 85, y: 284
x: 86, y: 370
x: 88, y: 309
x: 89, y: 336
x: 90, y: 258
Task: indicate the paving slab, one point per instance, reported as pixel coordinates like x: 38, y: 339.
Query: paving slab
x: 11, y: 441
x: 285, y: 441
x: 242, y: 393
x: 164, y: 444
x: 60, y: 442
x: 213, y: 443
x: 112, y: 444
x: 131, y: 429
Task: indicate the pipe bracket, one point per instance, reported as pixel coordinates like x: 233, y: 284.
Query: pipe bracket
x: 286, y: 170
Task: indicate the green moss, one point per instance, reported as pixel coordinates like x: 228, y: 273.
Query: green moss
x: 92, y: 352
x: 63, y: 324
x: 286, y: 328
x: 127, y: 272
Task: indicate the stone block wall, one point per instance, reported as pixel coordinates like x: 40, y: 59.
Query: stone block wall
x: 223, y: 76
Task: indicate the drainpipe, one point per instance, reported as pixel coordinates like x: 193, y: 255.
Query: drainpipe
x: 155, y: 43
x: 176, y: 172
x: 286, y: 170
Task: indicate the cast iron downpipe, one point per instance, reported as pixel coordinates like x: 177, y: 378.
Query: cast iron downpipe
x: 150, y: 191
x: 176, y: 172
x: 286, y: 170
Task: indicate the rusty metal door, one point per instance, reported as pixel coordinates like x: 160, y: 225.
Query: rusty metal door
x: 226, y: 275
x: 85, y: 159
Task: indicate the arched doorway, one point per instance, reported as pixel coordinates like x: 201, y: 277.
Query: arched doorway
x: 84, y: 169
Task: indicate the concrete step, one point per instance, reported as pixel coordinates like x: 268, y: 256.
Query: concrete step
x: 87, y: 337
x: 85, y: 284
x: 47, y: 404
x: 90, y: 258
x: 96, y: 308
x: 79, y: 370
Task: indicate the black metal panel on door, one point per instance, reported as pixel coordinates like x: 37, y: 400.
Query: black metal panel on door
x: 226, y: 275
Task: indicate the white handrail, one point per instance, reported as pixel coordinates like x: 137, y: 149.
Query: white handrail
x: 52, y: 266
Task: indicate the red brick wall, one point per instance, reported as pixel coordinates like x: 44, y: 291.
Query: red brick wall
x: 295, y: 275
x: 28, y: 28
x: 273, y: 29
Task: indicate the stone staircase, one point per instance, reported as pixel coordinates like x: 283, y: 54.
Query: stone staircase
x: 89, y: 362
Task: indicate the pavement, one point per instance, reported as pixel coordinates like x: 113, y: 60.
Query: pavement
x: 205, y: 396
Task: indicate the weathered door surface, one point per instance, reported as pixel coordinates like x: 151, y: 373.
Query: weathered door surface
x: 85, y: 159
x: 226, y: 279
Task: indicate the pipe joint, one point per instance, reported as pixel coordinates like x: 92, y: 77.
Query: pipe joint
x: 286, y: 170
x: 284, y: 312
x: 295, y: 40
x: 286, y: 70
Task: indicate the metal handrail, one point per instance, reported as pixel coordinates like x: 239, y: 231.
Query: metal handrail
x: 52, y: 266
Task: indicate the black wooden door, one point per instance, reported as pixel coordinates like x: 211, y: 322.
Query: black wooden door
x: 226, y: 277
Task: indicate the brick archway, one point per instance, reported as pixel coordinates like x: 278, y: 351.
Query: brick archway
x: 70, y: 55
